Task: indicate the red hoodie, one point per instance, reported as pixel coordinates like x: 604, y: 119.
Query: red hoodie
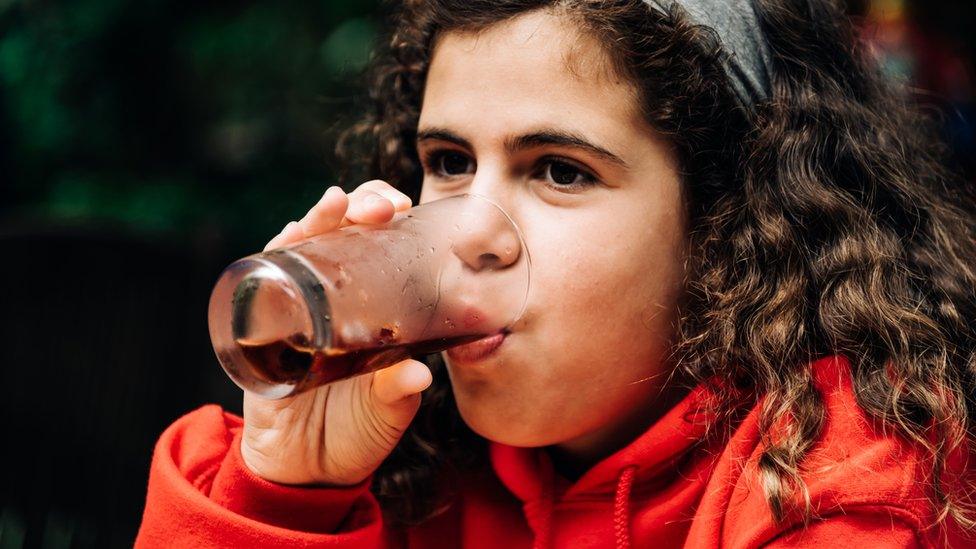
x: 866, y: 489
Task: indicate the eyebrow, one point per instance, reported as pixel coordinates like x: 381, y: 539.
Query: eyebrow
x: 540, y: 138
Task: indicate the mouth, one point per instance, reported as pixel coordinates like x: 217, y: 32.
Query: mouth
x: 479, y: 349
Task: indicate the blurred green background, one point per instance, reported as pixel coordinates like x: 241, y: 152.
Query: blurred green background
x: 171, y: 118
x: 216, y: 119
x: 146, y: 145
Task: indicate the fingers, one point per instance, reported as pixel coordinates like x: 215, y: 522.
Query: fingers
x: 400, y: 201
x: 326, y: 214
x: 371, y: 203
x: 291, y: 233
x: 374, y: 202
x: 367, y: 207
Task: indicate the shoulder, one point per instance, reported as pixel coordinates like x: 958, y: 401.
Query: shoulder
x: 865, y: 484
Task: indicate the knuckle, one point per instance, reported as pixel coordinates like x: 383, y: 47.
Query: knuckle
x: 382, y: 187
x: 360, y: 194
x: 362, y: 202
x: 375, y: 185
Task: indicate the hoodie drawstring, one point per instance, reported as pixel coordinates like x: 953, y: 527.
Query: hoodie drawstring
x: 545, y: 520
x: 543, y: 525
x: 621, y: 512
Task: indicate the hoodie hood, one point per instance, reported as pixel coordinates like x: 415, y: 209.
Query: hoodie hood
x: 645, y: 463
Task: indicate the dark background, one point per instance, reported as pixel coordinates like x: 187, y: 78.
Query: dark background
x: 146, y: 145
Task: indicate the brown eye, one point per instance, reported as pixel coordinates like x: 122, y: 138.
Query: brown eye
x: 452, y: 163
x: 563, y: 175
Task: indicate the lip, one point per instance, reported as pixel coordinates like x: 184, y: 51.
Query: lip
x: 478, y: 349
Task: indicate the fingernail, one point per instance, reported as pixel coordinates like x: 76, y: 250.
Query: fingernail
x: 373, y: 199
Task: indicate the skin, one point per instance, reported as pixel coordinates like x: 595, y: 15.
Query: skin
x: 584, y: 370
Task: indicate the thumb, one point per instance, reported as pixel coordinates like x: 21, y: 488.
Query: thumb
x: 396, y: 391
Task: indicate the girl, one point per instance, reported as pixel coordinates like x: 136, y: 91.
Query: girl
x: 750, y: 315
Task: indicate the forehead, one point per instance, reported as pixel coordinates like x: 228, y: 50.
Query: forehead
x: 536, y: 68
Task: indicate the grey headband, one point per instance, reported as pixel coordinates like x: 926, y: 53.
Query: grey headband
x: 749, y: 65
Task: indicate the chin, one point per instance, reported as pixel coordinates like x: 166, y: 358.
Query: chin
x: 509, y: 429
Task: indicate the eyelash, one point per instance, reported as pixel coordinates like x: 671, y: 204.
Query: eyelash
x: 431, y: 162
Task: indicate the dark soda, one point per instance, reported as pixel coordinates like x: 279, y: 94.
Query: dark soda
x: 293, y: 361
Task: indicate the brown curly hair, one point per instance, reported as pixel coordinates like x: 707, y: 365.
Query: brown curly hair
x: 824, y: 222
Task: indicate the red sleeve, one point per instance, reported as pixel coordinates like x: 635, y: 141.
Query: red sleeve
x: 864, y: 530
x: 202, y: 495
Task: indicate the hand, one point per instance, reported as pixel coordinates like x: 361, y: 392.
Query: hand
x: 337, y: 434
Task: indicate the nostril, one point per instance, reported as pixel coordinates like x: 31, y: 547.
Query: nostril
x: 488, y: 260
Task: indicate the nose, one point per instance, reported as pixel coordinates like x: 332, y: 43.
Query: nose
x: 485, y: 237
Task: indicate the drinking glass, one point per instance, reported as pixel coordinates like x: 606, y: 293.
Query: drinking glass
x: 364, y: 297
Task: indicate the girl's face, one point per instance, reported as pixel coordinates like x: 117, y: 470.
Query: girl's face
x: 529, y: 114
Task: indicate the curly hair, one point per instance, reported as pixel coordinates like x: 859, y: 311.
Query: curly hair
x: 824, y: 221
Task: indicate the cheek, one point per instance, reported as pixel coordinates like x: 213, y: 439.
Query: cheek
x: 612, y: 292
x: 587, y: 301
x: 602, y: 275
x: 572, y: 282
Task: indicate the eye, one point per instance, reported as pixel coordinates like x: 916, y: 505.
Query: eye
x: 564, y: 175
x: 446, y: 163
